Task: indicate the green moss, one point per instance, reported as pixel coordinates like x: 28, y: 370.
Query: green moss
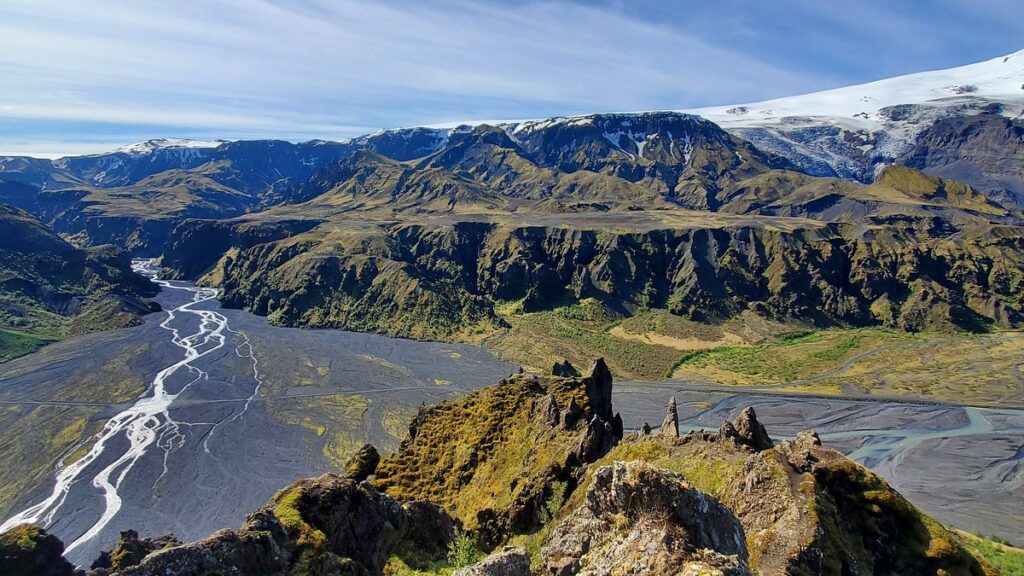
x: 867, y: 523
x: 483, y: 450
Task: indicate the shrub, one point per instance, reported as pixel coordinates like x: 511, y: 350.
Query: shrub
x: 463, y: 550
x: 554, y: 503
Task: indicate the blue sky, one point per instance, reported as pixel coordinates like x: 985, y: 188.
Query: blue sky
x: 88, y: 75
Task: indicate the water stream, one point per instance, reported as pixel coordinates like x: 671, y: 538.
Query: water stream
x: 147, y: 423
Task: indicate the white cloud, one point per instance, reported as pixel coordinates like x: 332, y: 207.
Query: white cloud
x: 334, y: 68
x: 337, y: 68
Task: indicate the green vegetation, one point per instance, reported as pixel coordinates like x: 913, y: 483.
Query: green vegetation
x: 554, y: 503
x: 1005, y: 558
x: 790, y: 358
x: 463, y: 550
x: 14, y: 344
x: 579, y: 332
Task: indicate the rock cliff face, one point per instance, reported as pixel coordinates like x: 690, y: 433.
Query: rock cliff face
x: 985, y: 150
x: 536, y: 464
x: 440, y: 281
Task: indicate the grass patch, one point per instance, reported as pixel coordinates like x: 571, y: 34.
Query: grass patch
x: 792, y: 357
x: 1007, y: 559
x: 14, y: 344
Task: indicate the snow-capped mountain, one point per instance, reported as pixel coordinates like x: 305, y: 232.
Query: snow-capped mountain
x: 852, y: 131
x: 167, y: 143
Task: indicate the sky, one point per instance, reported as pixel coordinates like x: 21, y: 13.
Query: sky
x: 85, y: 76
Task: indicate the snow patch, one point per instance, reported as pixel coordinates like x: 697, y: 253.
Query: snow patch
x: 150, y: 146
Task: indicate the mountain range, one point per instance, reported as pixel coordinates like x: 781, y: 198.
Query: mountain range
x: 894, y: 203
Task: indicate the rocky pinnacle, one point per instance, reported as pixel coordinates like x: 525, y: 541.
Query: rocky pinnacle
x: 670, y: 427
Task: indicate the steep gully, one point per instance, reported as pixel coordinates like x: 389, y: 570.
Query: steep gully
x: 147, y: 424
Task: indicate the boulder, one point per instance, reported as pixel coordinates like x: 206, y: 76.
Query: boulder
x: 362, y: 464
x: 509, y: 561
x: 429, y: 528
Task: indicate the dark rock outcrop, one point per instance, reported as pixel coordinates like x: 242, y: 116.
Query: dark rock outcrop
x: 747, y: 431
x: 28, y: 550
x: 131, y: 550
x: 362, y: 464
x: 324, y: 525
x: 564, y: 369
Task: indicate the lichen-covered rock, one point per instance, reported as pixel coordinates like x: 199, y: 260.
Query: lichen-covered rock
x: 670, y: 426
x: 508, y: 561
x: 638, y: 519
x: 362, y: 464
x: 27, y: 549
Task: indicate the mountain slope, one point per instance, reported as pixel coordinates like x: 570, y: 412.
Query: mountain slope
x: 849, y: 132
x: 50, y: 289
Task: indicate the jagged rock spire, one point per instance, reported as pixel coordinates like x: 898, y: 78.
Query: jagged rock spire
x: 670, y: 427
x: 599, y: 388
x: 747, y: 431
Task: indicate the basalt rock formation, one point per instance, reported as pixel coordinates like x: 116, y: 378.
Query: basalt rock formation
x: 501, y: 448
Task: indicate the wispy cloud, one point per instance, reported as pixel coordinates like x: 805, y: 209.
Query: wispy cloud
x: 331, y: 69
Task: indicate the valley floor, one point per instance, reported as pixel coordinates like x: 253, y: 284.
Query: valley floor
x: 750, y: 353
x: 326, y: 391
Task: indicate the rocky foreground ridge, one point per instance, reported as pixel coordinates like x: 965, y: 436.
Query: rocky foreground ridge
x: 537, y: 470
